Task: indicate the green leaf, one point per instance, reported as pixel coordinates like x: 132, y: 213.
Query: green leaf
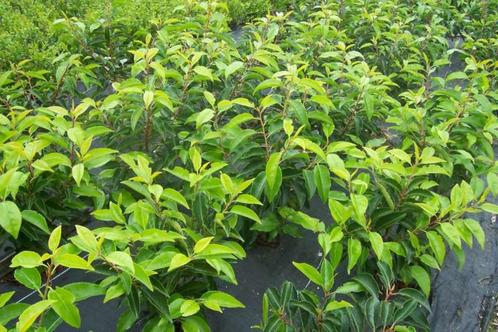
x: 422, y: 277
x: 64, y: 306
x: 336, y: 305
x: 354, y: 252
x: 493, y: 183
x: 476, y: 230
x: 29, y: 277
x: 36, y: 219
x: 377, y: 243
x: 195, y: 324
x: 10, y: 218
x: 84, y: 290
x: 310, y: 272
x: 28, y: 259
x: 31, y: 314
x: 189, y: 308
x: 452, y: 233
x: 368, y: 282
x: 233, y: 67
x: 272, y: 168
x: 245, y: 212
x: 177, y: 261
x: 77, y: 172
x: 429, y: 261
x: 322, y: 181
x: 415, y: 295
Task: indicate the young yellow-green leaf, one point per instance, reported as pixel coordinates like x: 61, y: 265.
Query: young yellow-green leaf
x: 121, y: 259
x: 113, y: 292
x: 5, y: 297
x: 117, y: 214
x: 203, y: 117
x: 272, y: 169
x: 451, y: 233
x: 195, y: 158
x: 31, y: 314
x: 202, y: 244
x: 27, y: 259
x: 227, y: 184
x: 203, y: 71
x: 175, y: 196
x: 288, y: 127
x: 377, y: 243
x: 430, y: 261
x: 493, y: 183
x: 248, y: 199
x: 490, y: 207
x: 77, y: 172
x: 476, y: 230
x: 336, y: 234
x: 86, y: 239
x: 10, y: 218
x: 30, y: 278
x: 177, y: 261
x: 245, y: 212
x: 354, y: 252
x: 233, y: 67
x: 338, y: 211
x: 310, y: 272
x: 64, y: 306
x: 239, y: 119
x: 336, y: 305
x: 360, y: 205
x: 437, y: 245
x: 210, y: 98
x: 217, y: 299
x: 306, y: 144
x: 143, y: 276
x: 336, y: 165
x: 73, y: 261
x: 422, y: 278
x: 55, y: 239
x: 148, y: 98
x: 189, y: 308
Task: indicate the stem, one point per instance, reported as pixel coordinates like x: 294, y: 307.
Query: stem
x: 265, y: 135
x: 48, y: 281
x: 147, y: 129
